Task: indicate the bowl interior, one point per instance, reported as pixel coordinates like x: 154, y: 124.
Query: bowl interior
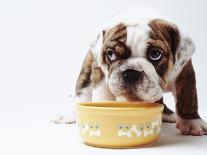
x: 115, y: 104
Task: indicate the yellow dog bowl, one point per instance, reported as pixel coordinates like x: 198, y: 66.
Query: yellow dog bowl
x: 119, y: 124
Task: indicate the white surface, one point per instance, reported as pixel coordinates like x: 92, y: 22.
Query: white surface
x: 32, y: 133
x: 42, y: 44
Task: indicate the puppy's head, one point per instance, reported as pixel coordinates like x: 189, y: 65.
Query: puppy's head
x: 138, y: 59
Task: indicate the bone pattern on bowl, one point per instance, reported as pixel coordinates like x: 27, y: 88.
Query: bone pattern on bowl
x: 123, y: 129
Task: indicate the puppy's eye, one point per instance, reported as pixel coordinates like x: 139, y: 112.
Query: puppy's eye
x: 155, y: 55
x: 111, y: 54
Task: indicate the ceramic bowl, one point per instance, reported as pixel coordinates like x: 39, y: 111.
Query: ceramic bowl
x: 119, y: 124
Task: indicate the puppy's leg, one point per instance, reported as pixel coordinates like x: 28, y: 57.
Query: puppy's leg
x: 188, y: 121
x: 168, y: 115
x: 64, y: 119
x: 101, y: 90
x: 91, y: 86
x: 83, y: 90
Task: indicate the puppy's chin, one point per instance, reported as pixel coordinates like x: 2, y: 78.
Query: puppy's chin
x: 145, y: 90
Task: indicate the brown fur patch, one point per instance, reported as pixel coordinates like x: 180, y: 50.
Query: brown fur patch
x: 115, y: 39
x: 116, y: 33
x: 186, y: 93
x: 97, y: 73
x: 164, y: 37
x: 84, y: 79
x: 90, y: 73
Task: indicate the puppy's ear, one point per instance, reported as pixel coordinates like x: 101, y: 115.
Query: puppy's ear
x: 90, y: 71
x: 182, y: 46
x: 96, y: 49
x: 184, y: 52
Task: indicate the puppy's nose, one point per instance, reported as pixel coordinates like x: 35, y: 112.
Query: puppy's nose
x: 131, y: 76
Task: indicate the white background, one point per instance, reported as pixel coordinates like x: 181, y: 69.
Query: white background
x: 42, y: 44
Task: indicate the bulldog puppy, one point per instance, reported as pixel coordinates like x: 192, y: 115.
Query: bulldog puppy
x: 138, y: 56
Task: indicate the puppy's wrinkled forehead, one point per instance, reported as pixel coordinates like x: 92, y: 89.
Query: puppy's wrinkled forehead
x: 137, y: 36
x: 127, y: 39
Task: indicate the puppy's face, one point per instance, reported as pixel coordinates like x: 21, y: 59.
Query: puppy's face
x: 137, y: 58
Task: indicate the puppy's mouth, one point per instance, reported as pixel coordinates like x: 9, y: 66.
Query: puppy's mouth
x: 135, y: 86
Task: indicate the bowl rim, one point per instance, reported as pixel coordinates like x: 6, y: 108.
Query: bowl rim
x: 112, y: 106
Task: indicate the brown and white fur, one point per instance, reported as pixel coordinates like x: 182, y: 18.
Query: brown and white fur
x: 119, y: 66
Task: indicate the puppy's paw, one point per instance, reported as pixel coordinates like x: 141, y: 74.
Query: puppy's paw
x: 169, y: 118
x: 196, y: 127
x: 64, y: 119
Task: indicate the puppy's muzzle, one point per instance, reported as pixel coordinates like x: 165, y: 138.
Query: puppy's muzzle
x: 131, y: 76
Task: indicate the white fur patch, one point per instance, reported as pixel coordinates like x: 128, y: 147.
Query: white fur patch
x: 137, y: 36
x: 86, y: 94
x: 121, y: 99
x: 183, y: 55
x: 64, y: 119
x: 171, y: 118
x: 102, y: 93
x: 195, y: 127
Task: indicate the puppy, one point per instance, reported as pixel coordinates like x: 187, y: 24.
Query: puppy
x: 139, y: 55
